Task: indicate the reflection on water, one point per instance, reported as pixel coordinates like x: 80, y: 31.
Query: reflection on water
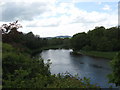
x: 84, y: 66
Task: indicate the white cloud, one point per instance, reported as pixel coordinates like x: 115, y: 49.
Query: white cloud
x: 69, y: 29
x: 99, y: 3
x: 106, y: 7
x: 30, y: 1
x: 65, y: 26
x: 95, y: 1
x: 44, y: 22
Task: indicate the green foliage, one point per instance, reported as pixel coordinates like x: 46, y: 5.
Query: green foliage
x: 79, y: 40
x: 7, y: 48
x: 114, y: 77
x: 19, y: 69
x: 86, y: 48
x: 32, y: 44
x: 98, y: 39
x: 22, y: 71
x: 24, y: 42
x: 66, y: 80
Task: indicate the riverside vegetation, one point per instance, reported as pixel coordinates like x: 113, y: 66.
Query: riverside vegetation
x: 22, y: 69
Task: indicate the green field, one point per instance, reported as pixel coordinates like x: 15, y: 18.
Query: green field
x: 107, y: 55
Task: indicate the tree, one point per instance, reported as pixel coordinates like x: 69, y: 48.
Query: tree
x: 98, y: 39
x: 20, y: 40
x: 95, y: 36
x: 12, y: 26
x: 79, y: 40
x: 114, y: 77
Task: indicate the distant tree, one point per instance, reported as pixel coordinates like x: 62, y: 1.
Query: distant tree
x: 55, y: 41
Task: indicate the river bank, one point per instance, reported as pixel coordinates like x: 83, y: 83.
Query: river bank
x: 106, y: 55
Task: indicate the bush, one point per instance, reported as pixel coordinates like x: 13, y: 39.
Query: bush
x: 114, y: 77
x: 19, y: 69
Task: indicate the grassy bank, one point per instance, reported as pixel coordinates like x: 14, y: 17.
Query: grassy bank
x: 107, y: 55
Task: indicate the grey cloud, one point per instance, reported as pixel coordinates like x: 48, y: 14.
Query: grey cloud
x: 80, y: 20
x: 51, y: 25
x: 47, y: 25
x: 23, y: 11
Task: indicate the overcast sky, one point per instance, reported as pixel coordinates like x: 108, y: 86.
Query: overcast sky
x: 49, y: 18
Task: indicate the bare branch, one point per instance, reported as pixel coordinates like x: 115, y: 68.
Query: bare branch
x: 6, y: 28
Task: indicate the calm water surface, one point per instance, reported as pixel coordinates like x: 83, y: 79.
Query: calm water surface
x: 84, y: 66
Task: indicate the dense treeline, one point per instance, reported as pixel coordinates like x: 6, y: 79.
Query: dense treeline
x: 27, y: 42
x: 33, y: 43
x: 55, y: 43
x: 98, y: 39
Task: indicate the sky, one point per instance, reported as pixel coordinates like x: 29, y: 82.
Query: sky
x: 49, y: 18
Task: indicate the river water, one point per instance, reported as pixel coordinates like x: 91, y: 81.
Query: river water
x: 96, y: 69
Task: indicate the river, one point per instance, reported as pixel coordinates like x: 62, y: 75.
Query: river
x: 96, y: 69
